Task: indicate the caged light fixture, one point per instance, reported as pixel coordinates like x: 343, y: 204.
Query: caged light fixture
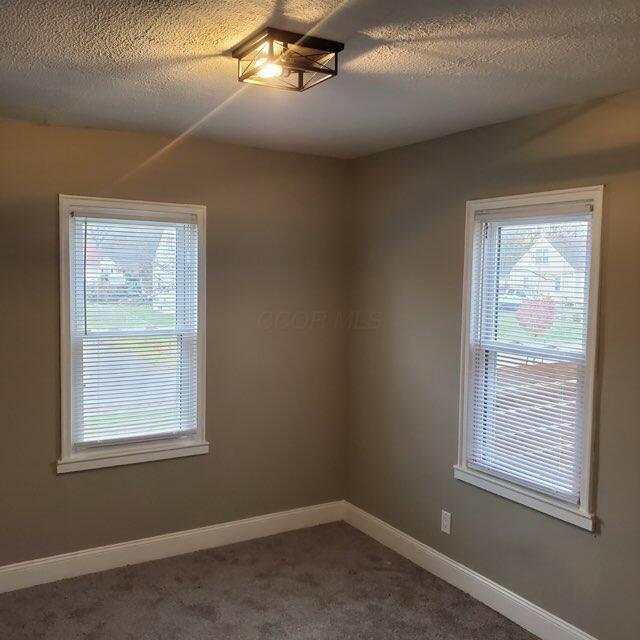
x: 286, y: 60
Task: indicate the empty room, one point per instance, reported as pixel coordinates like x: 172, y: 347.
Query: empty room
x: 320, y: 320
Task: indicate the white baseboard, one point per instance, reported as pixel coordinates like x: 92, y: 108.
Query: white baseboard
x: 77, y: 563
x: 528, y: 615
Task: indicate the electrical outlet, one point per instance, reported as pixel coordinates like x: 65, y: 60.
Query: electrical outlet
x: 445, y: 522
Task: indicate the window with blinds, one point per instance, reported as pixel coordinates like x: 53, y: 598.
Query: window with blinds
x: 133, y: 331
x: 528, y: 361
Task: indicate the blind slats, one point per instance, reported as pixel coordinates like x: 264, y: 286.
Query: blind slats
x: 530, y: 283
x: 134, y: 328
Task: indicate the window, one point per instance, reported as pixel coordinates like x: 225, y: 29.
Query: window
x: 542, y: 255
x: 132, y: 332
x: 528, y: 349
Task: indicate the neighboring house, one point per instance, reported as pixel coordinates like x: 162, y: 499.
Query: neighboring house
x: 101, y: 270
x: 163, y: 278
x: 547, y: 269
x: 134, y: 274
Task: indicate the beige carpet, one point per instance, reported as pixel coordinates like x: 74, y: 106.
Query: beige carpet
x: 327, y: 582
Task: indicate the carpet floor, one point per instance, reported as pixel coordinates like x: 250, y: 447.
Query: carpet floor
x: 329, y: 582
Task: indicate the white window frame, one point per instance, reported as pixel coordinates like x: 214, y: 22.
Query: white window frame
x: 135, y: 452
x: 580, y: 515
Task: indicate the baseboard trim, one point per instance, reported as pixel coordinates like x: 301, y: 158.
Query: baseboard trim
x: 77, y: 563
x: 528, y: 615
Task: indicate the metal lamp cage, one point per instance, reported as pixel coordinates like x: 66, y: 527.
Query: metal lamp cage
x: 286, y: 60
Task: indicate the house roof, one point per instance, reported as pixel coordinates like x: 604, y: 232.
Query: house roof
x: 564, y: 245
x: 566, y: 248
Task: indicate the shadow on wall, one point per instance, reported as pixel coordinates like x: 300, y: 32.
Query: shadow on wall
x: 552, y: 146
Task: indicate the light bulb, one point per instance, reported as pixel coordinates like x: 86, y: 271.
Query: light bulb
x: 264, y: 49
x: 269, y: 70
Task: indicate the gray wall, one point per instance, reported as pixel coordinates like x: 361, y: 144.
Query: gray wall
x: 405, y: 377
x: 275, y: 398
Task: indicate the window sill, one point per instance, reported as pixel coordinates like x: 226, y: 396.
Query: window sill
x: 130, y: 454
x: 528, y: 498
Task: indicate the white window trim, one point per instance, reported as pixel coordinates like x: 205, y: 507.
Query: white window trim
x: 580, y: 515
x: 121, y: 454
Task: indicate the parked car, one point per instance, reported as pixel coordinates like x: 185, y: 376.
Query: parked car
x: 510, y: 299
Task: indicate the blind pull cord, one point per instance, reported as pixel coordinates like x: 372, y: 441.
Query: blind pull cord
x: 84, y: 279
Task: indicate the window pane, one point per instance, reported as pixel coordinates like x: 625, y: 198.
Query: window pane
x: 130, y: 273
x: 528, y: 349
x: 537, y: 284
x: 134, y: 330
x: 525, y: 415
x: 136, y: 387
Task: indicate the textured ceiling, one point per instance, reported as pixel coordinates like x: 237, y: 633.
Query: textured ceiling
x: 411, y: 69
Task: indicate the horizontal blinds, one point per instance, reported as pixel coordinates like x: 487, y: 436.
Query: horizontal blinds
x: 133, y: 329
x: 528, y: 340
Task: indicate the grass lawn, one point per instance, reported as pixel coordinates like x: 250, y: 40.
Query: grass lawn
x: 121, y: 315
x: 564, y: 330
x: 161, y: 350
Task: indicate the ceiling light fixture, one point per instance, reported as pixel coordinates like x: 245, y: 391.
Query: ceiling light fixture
x: 286, y: 60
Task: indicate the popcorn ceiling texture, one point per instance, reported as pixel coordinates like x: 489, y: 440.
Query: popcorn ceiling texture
x: 412, y: 70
